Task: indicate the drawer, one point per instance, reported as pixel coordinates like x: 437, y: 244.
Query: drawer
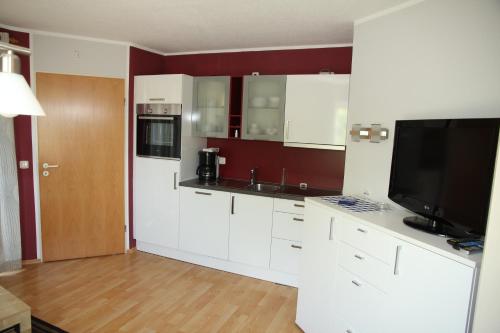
x: 360, y: 304
x: 285, y: 255
x: 367, y: 239
x: 372, y: 270
x: 289, y: 206
x: 288, y: 226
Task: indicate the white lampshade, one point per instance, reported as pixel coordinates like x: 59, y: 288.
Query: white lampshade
x: 16, y: 97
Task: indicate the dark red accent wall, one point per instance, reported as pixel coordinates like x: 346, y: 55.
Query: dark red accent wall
x: 318, y: 168
x: 22, y: 132
x: 141, y: 63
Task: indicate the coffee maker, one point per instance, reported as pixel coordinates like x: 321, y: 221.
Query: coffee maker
x: 208, y: 166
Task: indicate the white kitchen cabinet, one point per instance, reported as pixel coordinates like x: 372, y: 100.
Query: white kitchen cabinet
x: 316, y: 111
x: 156, y: 201
x: 204, y: 222
x: 162, y: 89
x: 317, y: 271
x: 285, y: 255
x: 250, y: 229
x: 431, y: 293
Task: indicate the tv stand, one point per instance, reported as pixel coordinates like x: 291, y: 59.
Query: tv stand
x: 436, y: 227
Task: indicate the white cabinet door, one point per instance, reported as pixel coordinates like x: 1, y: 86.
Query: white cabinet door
x: 156, y: 201
x: 317, y: 270
x: 204, y: 226
x: 158, y: 89
x: 432, y: 293
x: 250, y: 232
x: 316, y: 109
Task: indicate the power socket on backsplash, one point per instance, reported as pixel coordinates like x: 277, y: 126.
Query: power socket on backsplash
x: 303, y: 186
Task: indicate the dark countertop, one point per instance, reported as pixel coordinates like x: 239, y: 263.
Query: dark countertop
x: 241, y: 186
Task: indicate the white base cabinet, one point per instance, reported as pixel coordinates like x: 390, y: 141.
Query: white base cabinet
x: 369, y: 273
x: 204, y: 222
x: 156, y: 198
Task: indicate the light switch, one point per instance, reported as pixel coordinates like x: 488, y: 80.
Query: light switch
x: 24, y: 164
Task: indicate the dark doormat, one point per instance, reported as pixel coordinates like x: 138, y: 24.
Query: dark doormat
x: 40, y: 326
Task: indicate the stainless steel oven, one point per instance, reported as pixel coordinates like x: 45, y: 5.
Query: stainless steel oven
x: 159, y: 130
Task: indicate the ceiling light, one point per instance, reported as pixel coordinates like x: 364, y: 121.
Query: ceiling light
x: 16, y: 97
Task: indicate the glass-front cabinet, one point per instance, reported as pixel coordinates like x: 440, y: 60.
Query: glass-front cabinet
x: 211, y: 106
x: 263, y: 107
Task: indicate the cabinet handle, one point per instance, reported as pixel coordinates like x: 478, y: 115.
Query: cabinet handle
x: 288, y: 129
x: 232, y: 205
x: 298, y: 220
x: 330, y: 235
x: 396, y: 261
x: 362, y: 230
x: 348, y: 331
x: 157, y: 99
x: 175, y: 180
x: 296, y: 246
x: 356, y: 283
x: 299, y: 205
x: 357, y: 256
x: 203, y: 193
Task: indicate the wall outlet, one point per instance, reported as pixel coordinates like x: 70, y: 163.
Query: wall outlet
x: 303, y: 186
x: 222, y: 160
x: 24, y: 164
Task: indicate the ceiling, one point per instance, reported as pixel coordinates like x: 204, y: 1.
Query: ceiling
x: 197, y: 25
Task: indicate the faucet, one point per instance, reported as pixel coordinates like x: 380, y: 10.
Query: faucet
x: 253, y: 176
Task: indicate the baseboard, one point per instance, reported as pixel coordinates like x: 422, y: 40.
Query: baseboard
x: 220, y: 264
x: 131, y: 250
x: 32, y: 261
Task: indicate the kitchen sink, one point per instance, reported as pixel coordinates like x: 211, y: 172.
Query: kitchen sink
x: 263, y: 187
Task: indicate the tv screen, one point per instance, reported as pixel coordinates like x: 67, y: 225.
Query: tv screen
x: 443, y: 170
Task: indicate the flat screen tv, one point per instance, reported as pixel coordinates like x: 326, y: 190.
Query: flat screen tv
x: 443, y: 171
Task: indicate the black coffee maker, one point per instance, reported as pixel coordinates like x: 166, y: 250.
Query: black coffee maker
x: 208, y: 166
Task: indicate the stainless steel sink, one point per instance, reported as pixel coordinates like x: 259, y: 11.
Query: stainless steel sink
x: 263, y: 187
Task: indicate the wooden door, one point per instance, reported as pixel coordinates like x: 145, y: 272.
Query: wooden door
x: 82, y: 199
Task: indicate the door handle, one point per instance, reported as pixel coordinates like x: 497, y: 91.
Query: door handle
x: 396, y: 260
x: 49, y: 166
x: 202, y: 193
x: 330, y: 235
x: 232, y: 205
x: 175, y: 180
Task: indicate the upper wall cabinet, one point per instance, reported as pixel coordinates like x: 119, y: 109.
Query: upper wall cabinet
x: 211, y: 106
x: 316, y: 111
x: 263, y: 107
x: 158, y: 89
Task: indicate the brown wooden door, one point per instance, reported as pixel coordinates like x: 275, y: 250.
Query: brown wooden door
x: 82, y: 200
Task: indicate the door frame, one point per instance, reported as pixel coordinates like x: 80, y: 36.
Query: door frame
x: 35, y: 164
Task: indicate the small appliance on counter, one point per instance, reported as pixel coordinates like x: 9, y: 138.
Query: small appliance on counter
x: 208, y: 166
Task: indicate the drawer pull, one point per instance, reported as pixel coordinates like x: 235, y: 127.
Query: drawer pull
x: 348, y: 331
x: 330, y: 235
x: 357, y: 256
x: 356, y: 283
x: 298, y: 205
x: 202, y: 193
x: 296, y: 246
x: 156, y: 99
x: 362, y: 230
x: 396, y: 261
x: 298, y: 220
x: 232, y: 205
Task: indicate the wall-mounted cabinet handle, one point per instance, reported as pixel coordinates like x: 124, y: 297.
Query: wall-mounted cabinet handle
x: 157, y: 99
x: 356, y: 283
x: 202, y: 193
x: 396, y: 260
x: 299, y: 205
x: 298, y: 220
x: 330, y: 234
x: 362, y: 230
x: 232, y: 205
x: 296, y: 246
x: 175, y: 180
x: 357, y: 256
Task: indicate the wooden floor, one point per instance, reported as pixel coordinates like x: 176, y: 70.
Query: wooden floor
x: 142, y: 293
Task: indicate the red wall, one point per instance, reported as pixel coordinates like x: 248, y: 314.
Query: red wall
x: 318, y: 168
x: 141, y: 63
x: 22, y: 132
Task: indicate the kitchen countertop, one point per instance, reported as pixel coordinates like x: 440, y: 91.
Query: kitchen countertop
x: 241, y: 186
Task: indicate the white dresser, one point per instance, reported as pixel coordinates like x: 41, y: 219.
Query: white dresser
x: 370, y: 273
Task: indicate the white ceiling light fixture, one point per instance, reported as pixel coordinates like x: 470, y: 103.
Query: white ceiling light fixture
x: 16, y: 97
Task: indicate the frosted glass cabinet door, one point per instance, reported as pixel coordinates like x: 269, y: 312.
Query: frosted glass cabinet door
x: 263, y: 107
x: 211, y: 106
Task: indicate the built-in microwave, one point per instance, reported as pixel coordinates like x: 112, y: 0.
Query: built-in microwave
x: 159, y: 130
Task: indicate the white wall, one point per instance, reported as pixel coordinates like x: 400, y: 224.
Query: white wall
x: 487, y: 319
x: 436, y: 59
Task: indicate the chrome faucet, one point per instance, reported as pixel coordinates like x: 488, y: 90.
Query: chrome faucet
x: 253, y: 176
